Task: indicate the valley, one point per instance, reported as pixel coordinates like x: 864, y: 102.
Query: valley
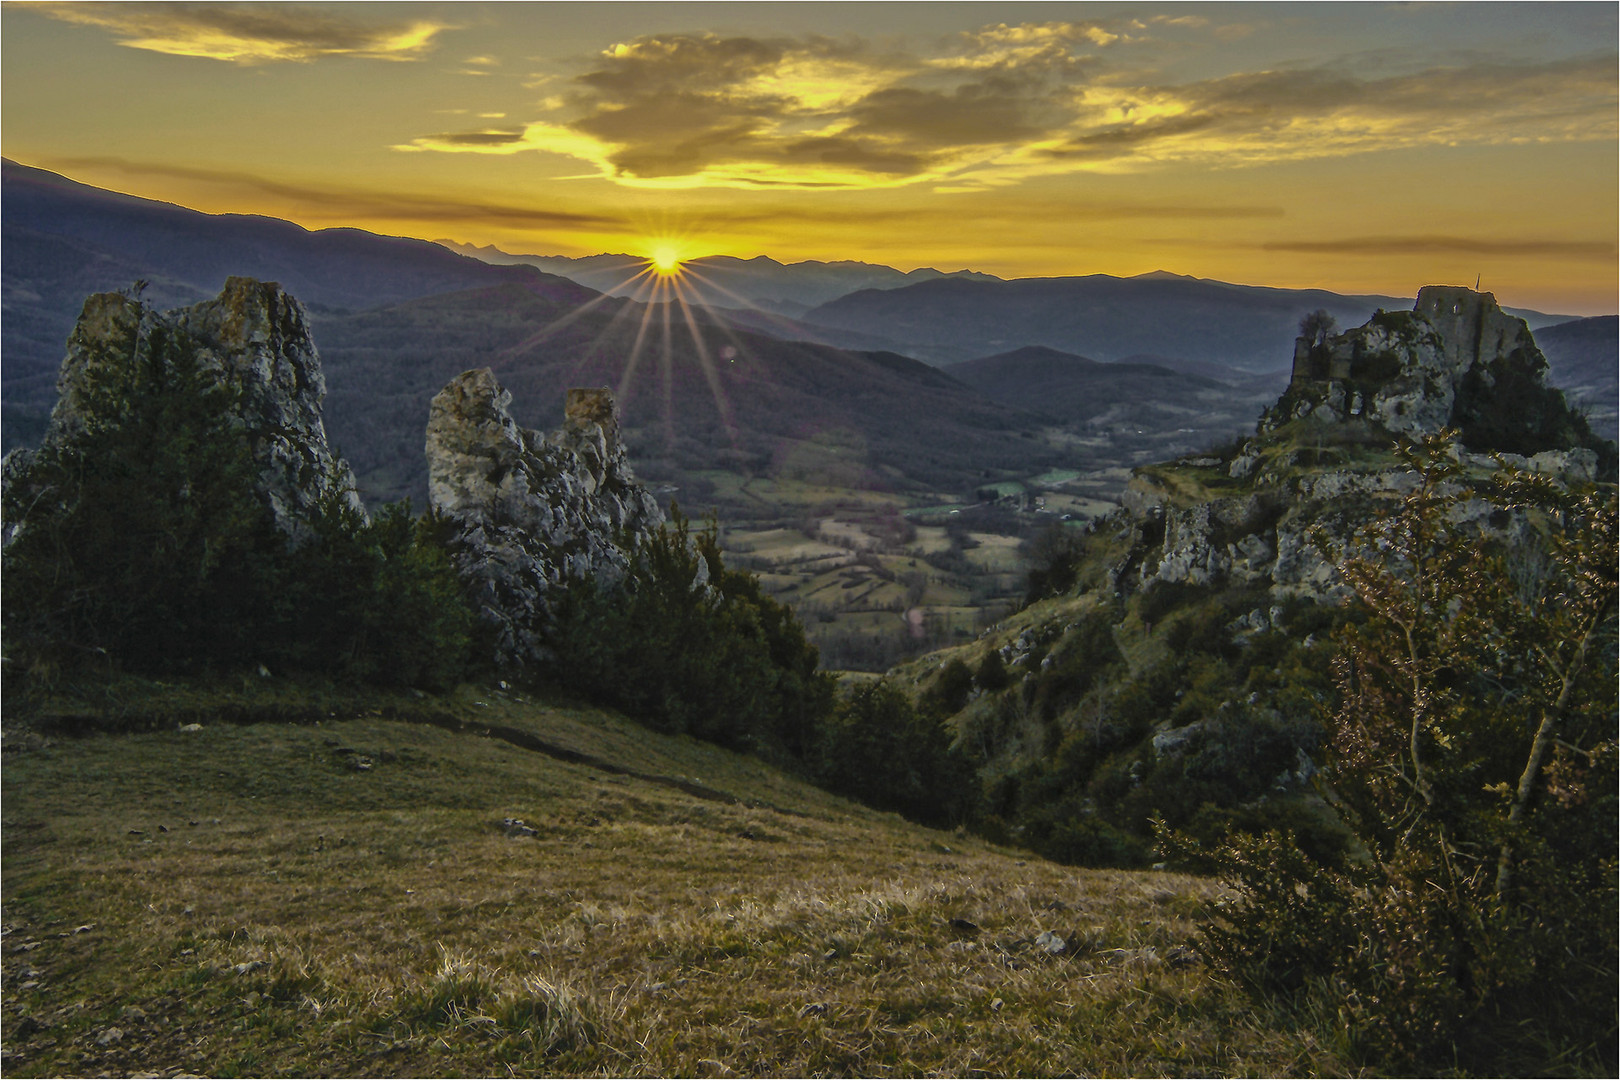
x: 918, y: 488
x: 884, y: 540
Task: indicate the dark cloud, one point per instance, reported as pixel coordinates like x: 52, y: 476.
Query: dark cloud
x: 1310, y: 111
x: 383, y: 204
x: 680, y: 104
x: 866, y: 155
x: 1445, y: 245
x: 684, y: 64
x: 975, y: 114
x: 479, y: 138
x: 1113, y: 141
x: 1006, y: 102
x: 249, y: 33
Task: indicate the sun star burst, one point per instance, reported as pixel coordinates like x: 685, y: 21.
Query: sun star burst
x: 666, y: 260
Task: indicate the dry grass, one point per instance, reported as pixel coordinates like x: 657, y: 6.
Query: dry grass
x: 342, y: 899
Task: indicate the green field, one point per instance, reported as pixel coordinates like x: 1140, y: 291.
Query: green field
x: 342, y: 898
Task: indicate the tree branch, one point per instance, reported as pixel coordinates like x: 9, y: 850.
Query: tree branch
x: 1544, y: 739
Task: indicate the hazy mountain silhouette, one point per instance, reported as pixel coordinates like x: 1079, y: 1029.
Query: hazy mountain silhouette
x: 64, y: 240
x: 726, y: 281
x: 1583, y: 357
x: 761, y: 408
x: 1242, y: 326
x: 1274, y: 380
x: 1063, y: 386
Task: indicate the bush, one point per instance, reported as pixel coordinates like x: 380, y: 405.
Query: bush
x: 950, y: 689
x: 1054, y: 556
x: 993, y: 674
x: 719, y: 660
x: 879, y: 748
x: 1473, y: 756
x: 143, y: 545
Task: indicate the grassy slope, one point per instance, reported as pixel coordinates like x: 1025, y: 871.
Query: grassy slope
x: 247, y: 900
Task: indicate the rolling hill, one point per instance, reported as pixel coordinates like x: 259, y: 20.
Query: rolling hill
x: 1246, y: 327
x: 378, y: 897
x: 64, y: 240
x: 1582, y: 358
x: 719, y: 399
x: 726, y: 281
x: 1068, y: 387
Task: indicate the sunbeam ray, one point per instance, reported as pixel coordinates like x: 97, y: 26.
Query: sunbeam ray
x: 666, y: 359
x: 784, y: 324
x: 623, y: 392
x: 710, y: 375
x: 566, y: 320
x: 719, y: 319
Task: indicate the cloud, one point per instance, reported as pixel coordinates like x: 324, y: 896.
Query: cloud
x: 478, y: 138
x: 1255, y: 117
x: 811, y: 111
x: 249, y: 33
x: 358, y: 203
x: 1005, y: 103
x: 1379, y: 246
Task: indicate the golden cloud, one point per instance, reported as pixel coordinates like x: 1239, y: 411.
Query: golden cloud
x: 1005, y: 103
x: 248, y: 33
x: 1384, y: 246
x: 356, y: 202
x: 1259, y: 117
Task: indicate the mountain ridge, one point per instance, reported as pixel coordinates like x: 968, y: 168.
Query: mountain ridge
x: 760, y: 281
x: 1100, y: 315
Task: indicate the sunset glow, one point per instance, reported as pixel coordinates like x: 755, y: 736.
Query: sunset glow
x: 666, y: 260
x: 1361, y: 148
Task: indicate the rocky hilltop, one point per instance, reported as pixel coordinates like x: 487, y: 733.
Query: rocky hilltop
x: 1456, y: 359
x: 527, y: 514
x: 532, y: 512
x: 1178, y: 663
x: 1276, y: 510
x: 253, y: 340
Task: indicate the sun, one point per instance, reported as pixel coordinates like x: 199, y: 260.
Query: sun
x: 666, y: 259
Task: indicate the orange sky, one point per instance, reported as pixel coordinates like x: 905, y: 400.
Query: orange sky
x: 1360, y: 148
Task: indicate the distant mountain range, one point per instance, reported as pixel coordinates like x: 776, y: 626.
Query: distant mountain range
x: 1247, y: 327
x: 715, y: 412
x: 725, y: 281
x: 398, y: 317
x: 64, y: 241
x: 1584, y: 359
x: 950, y: 318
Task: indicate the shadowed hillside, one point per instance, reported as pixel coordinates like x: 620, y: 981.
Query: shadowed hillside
x: 741, y: 402
x: 1098, y: 316
x: 374, y: 897
x: 65, y: 240
x: 1583, y: 357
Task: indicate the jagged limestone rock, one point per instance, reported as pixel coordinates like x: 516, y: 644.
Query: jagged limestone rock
x: 254, y: 339
x: 1455, y: 360
x: 532, y: 512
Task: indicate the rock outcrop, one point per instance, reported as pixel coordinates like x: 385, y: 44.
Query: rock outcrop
x: 531, y: 512
x: 1456, y: 359
x: 254, y: 340
x: 1281, y: 508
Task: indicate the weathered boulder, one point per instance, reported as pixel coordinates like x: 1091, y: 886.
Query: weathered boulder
x: 1456, y: 359
x: 532, y: 513
x: 254, y: 340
